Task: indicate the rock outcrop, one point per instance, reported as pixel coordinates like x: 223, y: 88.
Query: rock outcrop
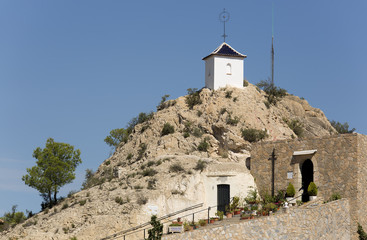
x: 162, y: 171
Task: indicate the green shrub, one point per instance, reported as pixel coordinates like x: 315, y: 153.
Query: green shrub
x: 176, y: 167
x: 295, y: 125
x: 142, y: 200
x: 186, y: 134
x: 203, y: 146
x: 73, y: 238
x: 273, y: 93
x: 65, y: 206
x: 341, y: 128
x: 161, y: 104
x: 197, y: 132
x: 82, y: 202
x: 108, y: 162
x: 361, y: 233
x: 253, y: 135
x: 222, y: 111
x: 116, y: 136
x: 156, y: 232
x: 334, y: 197
x: 193, y: 97
x: 200, y: 165
x: 141, y: 150
x: 129, y: 156
x: 199, y: 113
x: 232, y: 121
x: 119, y: 200
x: 138, y: 187
x: 150, y: 163
x: 312, y: 189
x: 149, y: 172
x: 220, y: 215
x: 228, y: 94
x: 291, y: 191
x: 177, y: 192
x: 151, y: 183
x: 245, y: 83
x: 235, y: 99
x: 167, y: 129
x: 270, y: 207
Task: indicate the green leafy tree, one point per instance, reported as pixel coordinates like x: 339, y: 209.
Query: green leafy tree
x: 157, y: 231
x: 116, y: 136
x: 56, y: 164
x: 342, y: 128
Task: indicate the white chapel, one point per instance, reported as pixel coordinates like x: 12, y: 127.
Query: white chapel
x: 224, y: 66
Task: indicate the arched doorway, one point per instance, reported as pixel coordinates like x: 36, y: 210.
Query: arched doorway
x: 223, y: 196
x: 307, y: 178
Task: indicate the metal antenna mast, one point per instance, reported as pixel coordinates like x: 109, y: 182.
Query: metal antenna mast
x: 272, y: 46
x: 224, y: 17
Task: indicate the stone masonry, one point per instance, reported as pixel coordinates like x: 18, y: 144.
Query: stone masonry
x: 339, y: 166
x: 322, y: 222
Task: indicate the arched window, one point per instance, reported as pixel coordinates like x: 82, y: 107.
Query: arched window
x: 229, y: 69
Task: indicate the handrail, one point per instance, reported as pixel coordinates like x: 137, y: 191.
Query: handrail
x: 148, y: 223
x: 138, y: 228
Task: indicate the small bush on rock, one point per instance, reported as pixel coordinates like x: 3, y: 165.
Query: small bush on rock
x: 149, y: 172
x: 253, y: 135
x: 176, y: 167
x: 193, y: 97
x: 200, y: 165
x: 203, y: 146
x: 167, y: 129
x: 295, y: 125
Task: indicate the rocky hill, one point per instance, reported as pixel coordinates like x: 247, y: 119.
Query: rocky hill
x: 166, y: 168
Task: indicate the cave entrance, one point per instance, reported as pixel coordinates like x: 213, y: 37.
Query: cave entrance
x: 307, y: 178
x: 223, y: 197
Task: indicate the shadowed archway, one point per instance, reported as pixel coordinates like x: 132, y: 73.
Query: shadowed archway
x: 307, y: 178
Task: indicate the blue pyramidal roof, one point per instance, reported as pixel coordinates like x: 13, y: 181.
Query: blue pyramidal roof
x: 226, y: 50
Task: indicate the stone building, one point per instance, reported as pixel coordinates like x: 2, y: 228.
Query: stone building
x: 337, y: 164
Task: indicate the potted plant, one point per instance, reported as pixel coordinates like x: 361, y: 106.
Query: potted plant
x: 291, y: 191
x: 220, y: 215
x: 229, y: 212
x: 203, y: 222
x: 187, y: 226
x: 252, y: 197
x: 237, y: 211
x: 175, y: 227
x: 312, y: 191
x: 245, y: 216
x: 212, y: 219
x: 254, y: 209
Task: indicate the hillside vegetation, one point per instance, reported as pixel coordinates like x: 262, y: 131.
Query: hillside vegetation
x: 157, y: 157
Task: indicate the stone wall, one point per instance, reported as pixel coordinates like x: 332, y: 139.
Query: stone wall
x: 362, y: 181
x: 340, y: 166
x: 326, y: 221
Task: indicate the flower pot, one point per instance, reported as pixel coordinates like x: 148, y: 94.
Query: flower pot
x: 238, y: 212
x: 229, y: 215
x: 312, y: 198
x: 212, y: 220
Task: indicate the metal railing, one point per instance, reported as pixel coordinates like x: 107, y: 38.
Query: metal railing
x: 123, y: 234
x: 133, y: 229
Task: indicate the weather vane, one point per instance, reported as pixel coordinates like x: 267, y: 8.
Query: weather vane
x: 224, y: 17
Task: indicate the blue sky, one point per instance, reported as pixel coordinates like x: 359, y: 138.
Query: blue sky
x: 74, y: 70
